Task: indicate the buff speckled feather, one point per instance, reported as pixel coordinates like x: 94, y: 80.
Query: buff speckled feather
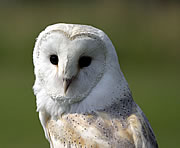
x: 82, y: 97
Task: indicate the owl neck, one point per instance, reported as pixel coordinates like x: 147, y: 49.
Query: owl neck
x: 111, y: 89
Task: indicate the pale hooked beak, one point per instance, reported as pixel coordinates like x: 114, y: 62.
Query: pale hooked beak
x: 66, y: 83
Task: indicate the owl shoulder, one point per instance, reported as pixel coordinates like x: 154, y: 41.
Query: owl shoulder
x: 141, y: 131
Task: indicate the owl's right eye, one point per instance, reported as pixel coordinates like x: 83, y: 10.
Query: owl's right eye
x: 54, y: 59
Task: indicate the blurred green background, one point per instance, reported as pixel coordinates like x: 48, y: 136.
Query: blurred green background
x: 146, y: 35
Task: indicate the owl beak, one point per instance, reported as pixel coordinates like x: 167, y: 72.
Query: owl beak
x: 66, y: 83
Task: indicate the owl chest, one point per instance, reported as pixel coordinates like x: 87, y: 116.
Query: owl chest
x: 88, y: 131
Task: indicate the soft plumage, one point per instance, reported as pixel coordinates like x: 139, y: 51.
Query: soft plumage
x: 83, y: 99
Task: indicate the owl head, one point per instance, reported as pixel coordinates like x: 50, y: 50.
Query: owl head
x: 76, y: 67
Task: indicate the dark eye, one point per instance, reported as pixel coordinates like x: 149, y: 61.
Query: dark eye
x: 84, y: 61
x: 54, y: 59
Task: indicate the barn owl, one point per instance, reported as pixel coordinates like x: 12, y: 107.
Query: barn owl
x: 82, y: 97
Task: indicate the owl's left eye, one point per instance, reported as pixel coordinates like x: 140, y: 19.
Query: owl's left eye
x: 84, y: 61
x: 54, y: 59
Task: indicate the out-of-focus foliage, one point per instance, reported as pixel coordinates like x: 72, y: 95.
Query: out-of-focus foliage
x: 146, y: 35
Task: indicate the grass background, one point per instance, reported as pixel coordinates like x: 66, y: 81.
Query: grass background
x: 146, y: 36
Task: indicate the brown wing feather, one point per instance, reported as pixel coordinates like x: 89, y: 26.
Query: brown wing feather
x: 90, y: 131
x: 101, y: 130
